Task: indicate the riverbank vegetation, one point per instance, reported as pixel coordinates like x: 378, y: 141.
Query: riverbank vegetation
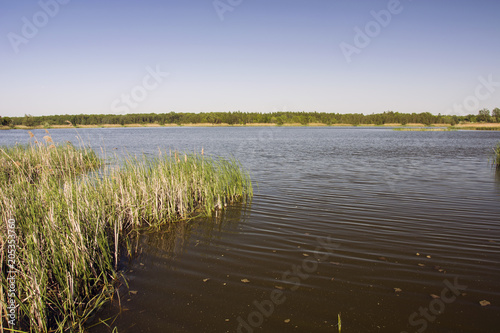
x: 248, y: 118
x: 73, y: 212
x: 424, y: 129
x: 496, y: 157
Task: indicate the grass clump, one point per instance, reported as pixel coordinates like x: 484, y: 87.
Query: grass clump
x: 71, y: 214
x: 23, y: 163
x: 496, y: 157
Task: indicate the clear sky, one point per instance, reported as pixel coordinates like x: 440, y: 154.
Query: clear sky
x: 76, y: 56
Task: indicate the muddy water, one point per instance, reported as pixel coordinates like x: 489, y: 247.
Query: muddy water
x: 396, y: 231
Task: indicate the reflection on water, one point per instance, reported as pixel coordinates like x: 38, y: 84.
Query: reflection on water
x: 413, y: 214
x: 170, y: 241
x: 164, y: 263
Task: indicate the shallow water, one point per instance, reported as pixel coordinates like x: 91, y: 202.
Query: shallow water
x: 337, y: 220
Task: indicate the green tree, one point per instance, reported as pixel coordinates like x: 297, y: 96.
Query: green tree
x: 496, y: 114
x: 484, y: 115
x: 304, y: 120
x: 6, y: 121
x: 28, y: 120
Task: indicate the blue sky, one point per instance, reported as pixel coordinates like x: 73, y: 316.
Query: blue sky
x: 264, y: 56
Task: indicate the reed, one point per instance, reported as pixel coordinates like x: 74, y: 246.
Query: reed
x: 496, y: 157
x: 72, y: 213
x: 23, y: 163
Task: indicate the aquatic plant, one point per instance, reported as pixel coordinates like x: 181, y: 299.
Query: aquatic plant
x: 28, y: 162
x: 496, y: 157
x: 71, y: 214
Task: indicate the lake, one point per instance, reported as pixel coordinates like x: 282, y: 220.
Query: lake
x: 395, y: 231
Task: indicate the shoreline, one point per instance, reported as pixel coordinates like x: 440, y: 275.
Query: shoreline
x: 467, y: 126
x: 98, y: 205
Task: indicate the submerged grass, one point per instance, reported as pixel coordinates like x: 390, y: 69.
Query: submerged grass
x: 71, y: 217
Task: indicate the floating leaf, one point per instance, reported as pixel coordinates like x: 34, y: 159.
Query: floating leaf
x: 484, y: 303
x: 398, y: 290
x: 287, y: 321
x: 435, y: 296
x: 245, y: 280
x: 205, y: 280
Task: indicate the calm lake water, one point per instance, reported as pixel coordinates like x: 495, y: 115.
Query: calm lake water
x: 370, y: 223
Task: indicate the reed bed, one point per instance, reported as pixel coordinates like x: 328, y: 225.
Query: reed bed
x: 412, y: 129
x: 72, y: 213
x: 23, y: 163
x: 482, y: 128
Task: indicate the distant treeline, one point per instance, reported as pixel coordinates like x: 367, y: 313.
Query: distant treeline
x: 231, y: 118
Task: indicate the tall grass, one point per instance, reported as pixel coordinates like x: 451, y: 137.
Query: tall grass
x: 496, y: 157
x: 71, y: 217
x: 26, y: 163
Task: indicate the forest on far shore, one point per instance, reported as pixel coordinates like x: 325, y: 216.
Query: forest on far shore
x: 243, y: 118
